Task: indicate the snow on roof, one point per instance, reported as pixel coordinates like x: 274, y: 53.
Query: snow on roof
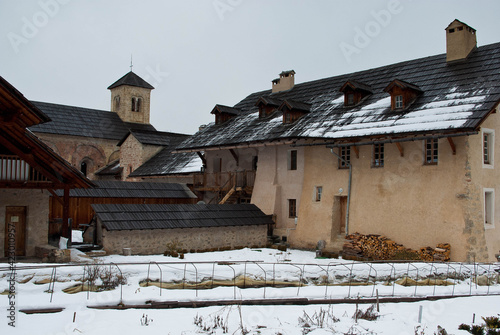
x: 455, y: 97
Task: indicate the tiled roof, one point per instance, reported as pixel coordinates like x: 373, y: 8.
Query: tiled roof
x: 78, y: 121
x: 167, y: 163
x: 123, y: 189
x: 456, y: 97
x: 226, y: 109
x: 158, y: 138
x: 131, y: 79
x: 140, y: 217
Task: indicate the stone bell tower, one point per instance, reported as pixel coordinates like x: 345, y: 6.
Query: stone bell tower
x: 130, y: 98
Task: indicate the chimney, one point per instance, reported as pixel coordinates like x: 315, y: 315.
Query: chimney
x: 285, y: 82
x: 460, y: 41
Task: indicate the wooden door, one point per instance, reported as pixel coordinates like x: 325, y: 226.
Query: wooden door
x: 343, y: 213
x: 15, y: 230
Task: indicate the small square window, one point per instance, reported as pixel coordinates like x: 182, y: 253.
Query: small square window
x: 378, y: 155
x: 398, y: 101
x: 319, y: 193
x: 292, y: 208
x: 431, y: 151
x: 350, y: 99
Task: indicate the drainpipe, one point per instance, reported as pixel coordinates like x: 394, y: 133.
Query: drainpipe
x: 348, y: 190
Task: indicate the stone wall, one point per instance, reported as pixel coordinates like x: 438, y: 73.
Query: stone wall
x: 197, y: 239
x: 37, y: 216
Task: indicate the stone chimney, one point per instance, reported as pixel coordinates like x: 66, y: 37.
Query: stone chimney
x: 285, y: 82
x: 460, y: 41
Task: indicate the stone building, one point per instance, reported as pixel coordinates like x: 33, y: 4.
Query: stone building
x: 110, y: 144
x: 405, y: 150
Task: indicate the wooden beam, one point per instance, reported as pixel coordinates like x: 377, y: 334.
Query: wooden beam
x: 452, y: 145
x: 400, y: 148
x: 203, y: 159
x: 235, y: 156
x: 356, y: 150
x: 58, y: 198
x: 65, y: 224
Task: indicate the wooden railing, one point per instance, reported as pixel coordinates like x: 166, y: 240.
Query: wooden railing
x: 224, y: 180
x: 13, y: 168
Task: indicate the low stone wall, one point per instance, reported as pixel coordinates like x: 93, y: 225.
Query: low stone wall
x: 192, y: 239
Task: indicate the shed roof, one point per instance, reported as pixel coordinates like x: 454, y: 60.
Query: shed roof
x: 86, y: 122
x: 123, y: 189
x: 141, y: 217
x: 456, y: 98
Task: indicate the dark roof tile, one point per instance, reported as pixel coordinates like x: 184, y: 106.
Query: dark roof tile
x: 131, y: 79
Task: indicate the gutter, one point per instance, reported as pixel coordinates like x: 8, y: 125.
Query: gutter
x: 348, y: 190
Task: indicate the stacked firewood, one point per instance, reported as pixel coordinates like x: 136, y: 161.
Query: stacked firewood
x: 379, y: 247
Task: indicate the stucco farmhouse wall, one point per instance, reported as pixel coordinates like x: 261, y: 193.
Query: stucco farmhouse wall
x: 155, y: 241
x: 37, y: 216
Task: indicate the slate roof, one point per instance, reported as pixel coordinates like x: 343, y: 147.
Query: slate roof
x: 123, y: 189
x: 131, y: 79
x: 158, y: 138
x: 78, y: 121
x: 140, y: 217
x: 456, y: 97
x: 112, y: 169
x: 167, y: 163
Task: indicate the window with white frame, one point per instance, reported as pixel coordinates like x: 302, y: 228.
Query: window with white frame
x: 489, y: 208
x: 488, y: 147
x: 398, y: 101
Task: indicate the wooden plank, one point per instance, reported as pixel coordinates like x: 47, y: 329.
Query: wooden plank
x: 400, y: 148
x: 452, y: 145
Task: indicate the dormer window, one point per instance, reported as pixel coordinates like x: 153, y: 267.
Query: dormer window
x: 354, y: 92
x: 294, y: 110
x: 267, y: 106
x: 136, y: 104
x: 398, y: 101
x: 223, y: 113
x: 403, y: 94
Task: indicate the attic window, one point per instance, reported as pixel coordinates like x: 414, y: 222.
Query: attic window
x: 350, y: 99
x: 452, y: 30
x: 398, y: 101
x: 294, y: 110
x: 460, y: 28
x: 354, y: 92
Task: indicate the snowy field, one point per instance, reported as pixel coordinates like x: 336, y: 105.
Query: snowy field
x: 299, y: 274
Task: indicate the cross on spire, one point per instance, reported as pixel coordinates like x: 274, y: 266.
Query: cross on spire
x: 131, y: 65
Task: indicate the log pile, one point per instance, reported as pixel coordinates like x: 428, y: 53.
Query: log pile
x: 379, y: 247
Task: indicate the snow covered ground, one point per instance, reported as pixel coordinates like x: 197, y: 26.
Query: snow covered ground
x: 33, y: 290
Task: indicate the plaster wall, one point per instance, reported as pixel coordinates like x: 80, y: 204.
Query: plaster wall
x: 37, y: 216
x: 198, y: 239
x: 414, y: 204
x: 275, y: 184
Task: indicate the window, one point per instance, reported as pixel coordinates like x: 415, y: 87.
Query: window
x: 431, y: 151
x: 398, y: 101
x: 318, y: 193
x: 292, y: 208
x: 345, y: 154
x: 378, y: 155
x: 350, y: 99
x: 117, y: 102
x: 288, y: 118
x: 292, y: 160
x: 489, y: 208
x: 255, y: 161
x: 488, y: 145
x: 83, y: 168
x: 136, y: 104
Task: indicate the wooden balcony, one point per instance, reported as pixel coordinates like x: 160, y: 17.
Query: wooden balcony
x: 14, y: 170
x: 224, y: 181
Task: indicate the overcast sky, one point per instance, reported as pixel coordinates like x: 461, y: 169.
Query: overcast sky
x: 198, y: 53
